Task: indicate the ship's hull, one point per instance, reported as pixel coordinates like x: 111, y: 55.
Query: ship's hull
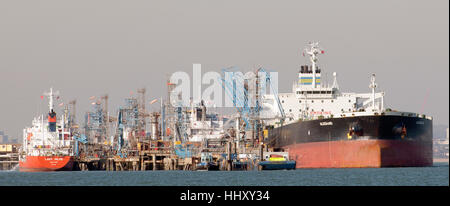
x: 380, y: 141
x: 46, y: 163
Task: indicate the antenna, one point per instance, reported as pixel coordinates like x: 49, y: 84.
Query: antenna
x: 373, y: 85
x: 335, y: 84
x: 51, y: 95
x: 313, y: 50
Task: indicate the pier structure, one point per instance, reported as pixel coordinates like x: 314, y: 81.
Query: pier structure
x: 125, y: 142
x: 164, y: 157
x: 170, y: 135
x: 9, y: 156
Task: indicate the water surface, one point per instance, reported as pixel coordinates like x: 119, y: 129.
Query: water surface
x: 438, y: 175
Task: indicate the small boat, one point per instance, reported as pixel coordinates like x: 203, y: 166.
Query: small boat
x: 207, y: 163
x: 277, y: 162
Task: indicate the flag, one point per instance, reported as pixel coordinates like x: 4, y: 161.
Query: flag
x: 42, y: 97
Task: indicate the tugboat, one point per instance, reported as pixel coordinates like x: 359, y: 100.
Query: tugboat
x: 47, y: 144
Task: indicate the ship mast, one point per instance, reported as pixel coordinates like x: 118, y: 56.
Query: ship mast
x: 50, y: 102
x: 313, y: 51
x: 51, y: 96
x: 51, y: 115
x: 373, y: 85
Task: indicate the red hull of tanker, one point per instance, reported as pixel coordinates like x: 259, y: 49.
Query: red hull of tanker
x: 46, y: 163
x: 361, y: 153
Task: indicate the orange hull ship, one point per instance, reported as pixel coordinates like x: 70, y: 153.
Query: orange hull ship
x: 48, y: 144
x: 46, y: 163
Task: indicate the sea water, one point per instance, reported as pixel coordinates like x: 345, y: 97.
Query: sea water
x: 437, y: 175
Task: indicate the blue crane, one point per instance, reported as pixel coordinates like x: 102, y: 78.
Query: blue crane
x: 275, y: 94
x: 119, y: 133
x: 182, y: 150
x: 231, y: 86
x: 81, y: 139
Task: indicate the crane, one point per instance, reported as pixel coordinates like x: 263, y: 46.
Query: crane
x: 119, y: 132
x: 240, y: 101
x: 275, y: 94
x: 81, y: 139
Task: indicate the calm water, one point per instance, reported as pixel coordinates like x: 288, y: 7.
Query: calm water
x: 426, y: 176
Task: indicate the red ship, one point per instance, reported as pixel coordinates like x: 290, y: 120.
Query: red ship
x: 46, y: 163
x: 47, y: 144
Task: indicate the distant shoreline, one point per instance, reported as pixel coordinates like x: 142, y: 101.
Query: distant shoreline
x: 440, y: 160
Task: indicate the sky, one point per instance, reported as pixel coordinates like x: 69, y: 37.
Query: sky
x: 90, y: 48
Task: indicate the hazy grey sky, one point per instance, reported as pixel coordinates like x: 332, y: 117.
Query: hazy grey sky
x: 88, y: 47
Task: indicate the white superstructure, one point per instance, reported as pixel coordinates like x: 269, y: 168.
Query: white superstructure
x: 203, y: 126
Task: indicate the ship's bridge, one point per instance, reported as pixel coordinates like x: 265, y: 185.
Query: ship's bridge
x: 316, y: 93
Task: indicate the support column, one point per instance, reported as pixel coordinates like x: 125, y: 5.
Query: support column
x: 142, y: 163
x: 154, y: 162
